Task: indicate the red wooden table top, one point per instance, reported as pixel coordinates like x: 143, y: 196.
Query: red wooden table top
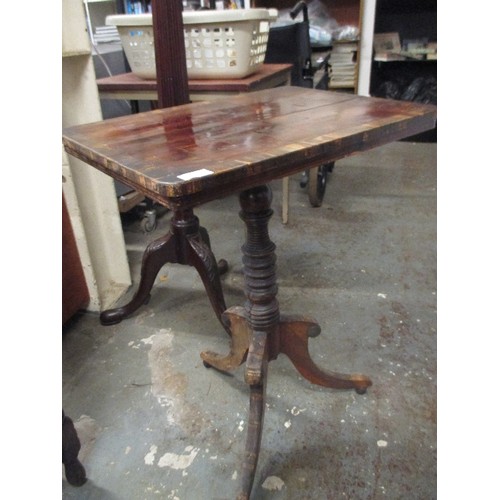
x: 131, y: 82
x: 190, y: 154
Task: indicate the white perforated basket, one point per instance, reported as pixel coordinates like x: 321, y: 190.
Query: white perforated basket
x: 219, y: 43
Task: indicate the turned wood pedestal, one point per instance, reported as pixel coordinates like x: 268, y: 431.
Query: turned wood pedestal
x: 260, y: 333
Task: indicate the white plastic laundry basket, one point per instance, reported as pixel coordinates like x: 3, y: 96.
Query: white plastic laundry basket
x: 219, y: 43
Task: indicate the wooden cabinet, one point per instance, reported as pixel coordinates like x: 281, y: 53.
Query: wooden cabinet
x: 75, y: 294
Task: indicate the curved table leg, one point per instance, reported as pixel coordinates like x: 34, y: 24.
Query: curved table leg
x: 254, y: 438
x: 200, y: 256
x: 222, y: 264
x: 295, y: 332
x: 236, y: 320
x: 186, y: 243
x: 156, y: 255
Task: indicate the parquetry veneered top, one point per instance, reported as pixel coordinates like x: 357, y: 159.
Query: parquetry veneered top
x: 197, y: 152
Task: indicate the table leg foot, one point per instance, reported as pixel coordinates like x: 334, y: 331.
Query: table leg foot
x: 252, y: 347
x: 256, y: 377
x: 295, y: 332
x: 236, y: 320
x: 155, y: 256
x: 254, y: 438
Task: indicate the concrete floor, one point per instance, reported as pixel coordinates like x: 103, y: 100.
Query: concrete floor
x: 155, y: 423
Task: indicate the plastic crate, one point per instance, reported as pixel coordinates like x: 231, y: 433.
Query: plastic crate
x: 219, y: 43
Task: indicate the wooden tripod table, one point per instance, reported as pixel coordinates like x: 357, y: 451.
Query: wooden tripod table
x: 188, y: 155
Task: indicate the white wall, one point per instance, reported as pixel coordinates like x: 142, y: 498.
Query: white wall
x: 367, y: 25
x: 90, y: 194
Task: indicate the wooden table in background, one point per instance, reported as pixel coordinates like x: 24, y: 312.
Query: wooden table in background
x: 131, y: 87
x: 191, y: 154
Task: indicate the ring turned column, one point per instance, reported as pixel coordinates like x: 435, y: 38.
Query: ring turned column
x: 262, y: 314
x: 260, y: 333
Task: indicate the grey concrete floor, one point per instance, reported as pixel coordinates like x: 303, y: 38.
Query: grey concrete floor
x: 155, y: 423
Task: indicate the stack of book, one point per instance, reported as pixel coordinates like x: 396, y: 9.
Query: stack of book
x: 342, y: 68
x: 388, y: 47
x: 420, y: 49
x: 106, y: 34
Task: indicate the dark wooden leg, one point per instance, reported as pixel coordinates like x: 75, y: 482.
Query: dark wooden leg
x: 254, y: 435
x: 158, y: 253
x: 294, y: 337
x: 75, y: 472
x: 236, y: 320
x: 200, y: 256
x: 186, y: 243
x: 262, y: 314
x: 222, y: 264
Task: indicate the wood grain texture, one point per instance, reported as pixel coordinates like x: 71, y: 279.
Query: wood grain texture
x: 244, y: 141
x: 171, y: 67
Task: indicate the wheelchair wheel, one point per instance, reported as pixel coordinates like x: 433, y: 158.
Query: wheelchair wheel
x: 149, y: 222
x: 317, y: 184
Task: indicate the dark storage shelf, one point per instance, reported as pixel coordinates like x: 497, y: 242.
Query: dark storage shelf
x: 409, y: 79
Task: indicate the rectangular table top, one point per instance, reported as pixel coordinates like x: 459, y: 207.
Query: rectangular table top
x: 190, y: 154
x: 264, y: 77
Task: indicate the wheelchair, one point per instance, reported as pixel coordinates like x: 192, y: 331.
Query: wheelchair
x: 291, y: 44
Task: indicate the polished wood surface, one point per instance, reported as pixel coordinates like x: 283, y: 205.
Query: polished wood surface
x: 242, y: 141
x: 269, y: 75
